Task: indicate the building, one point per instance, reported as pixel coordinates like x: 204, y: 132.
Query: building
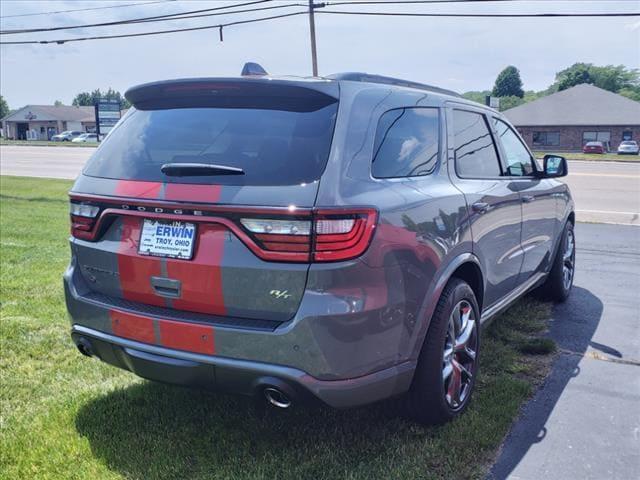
x: 566, y: 120
x: 41, y: 122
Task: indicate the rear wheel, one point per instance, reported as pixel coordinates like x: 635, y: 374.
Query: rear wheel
x: 448, y: 362
x: 558, y: 284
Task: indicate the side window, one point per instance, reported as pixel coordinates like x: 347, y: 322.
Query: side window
x: 518, y: 159
x: 406, y: 143
x: 475, y: 152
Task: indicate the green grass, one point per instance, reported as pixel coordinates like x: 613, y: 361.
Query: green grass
x: 65, y: 416
x: 45, y: 143
x: 605, y: 157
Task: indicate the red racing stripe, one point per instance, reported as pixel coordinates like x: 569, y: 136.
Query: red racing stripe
x: 136, y: 270
x: 192, y: 193
x: 187, y: 336
x: 129, y: 325
x: 135, y: 189
x: 201, y: 278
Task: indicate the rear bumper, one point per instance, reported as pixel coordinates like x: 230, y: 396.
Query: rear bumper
x: 241, y: 376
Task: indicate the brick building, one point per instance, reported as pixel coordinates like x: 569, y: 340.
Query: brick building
x: 566, y: 120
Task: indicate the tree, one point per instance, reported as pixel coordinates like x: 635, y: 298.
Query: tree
x: 58, y: 103
x: 509, y: 102
x: 611, y: 77
x: 508, y: 83
x: 4, y: 107
x: 89, y: 99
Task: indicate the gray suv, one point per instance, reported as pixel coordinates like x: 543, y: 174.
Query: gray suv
x: 339, y: 239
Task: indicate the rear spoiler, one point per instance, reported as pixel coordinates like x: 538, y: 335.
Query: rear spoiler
x: 248, y: 92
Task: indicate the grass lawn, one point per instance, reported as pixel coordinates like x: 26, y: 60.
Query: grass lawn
x: 605, y: 157
x: 45, y: 143
x: 66, y: 416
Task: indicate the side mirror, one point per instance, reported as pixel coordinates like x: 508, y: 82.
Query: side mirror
x: 555, y: 166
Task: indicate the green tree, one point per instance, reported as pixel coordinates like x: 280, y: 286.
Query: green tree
x: 610, y: 77
x: 4, y: 107
x: 91, y: 98
x: 508, y: 83
x: 509, y: 102
x: 58, y: 103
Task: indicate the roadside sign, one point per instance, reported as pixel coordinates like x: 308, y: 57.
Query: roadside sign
x: 107, y: 115
x: 493, y: 102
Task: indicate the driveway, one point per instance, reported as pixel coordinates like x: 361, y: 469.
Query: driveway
x: 584, y: 423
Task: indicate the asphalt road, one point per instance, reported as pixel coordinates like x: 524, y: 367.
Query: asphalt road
x: 584, y: 423
x: 605, y: 192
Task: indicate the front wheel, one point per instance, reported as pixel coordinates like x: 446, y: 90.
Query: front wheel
x: 448, y: 363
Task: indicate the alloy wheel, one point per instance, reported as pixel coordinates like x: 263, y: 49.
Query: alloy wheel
x: 568, y: 260
x: 459, y: 357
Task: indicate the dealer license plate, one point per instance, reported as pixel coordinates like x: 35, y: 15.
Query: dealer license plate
x: 167, y: 239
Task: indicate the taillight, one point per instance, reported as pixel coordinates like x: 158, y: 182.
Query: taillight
x: 329, y: 235
x: 83, y: 218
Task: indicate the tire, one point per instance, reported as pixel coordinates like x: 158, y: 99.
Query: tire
x: 430, y: 400
x: 557, y: 287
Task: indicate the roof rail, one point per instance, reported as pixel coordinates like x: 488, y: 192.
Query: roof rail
x: 371, y: 78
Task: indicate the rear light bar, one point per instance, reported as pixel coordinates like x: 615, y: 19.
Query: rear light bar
x: 273, y: 234
x: 83, y: 218
x: 329, y: 235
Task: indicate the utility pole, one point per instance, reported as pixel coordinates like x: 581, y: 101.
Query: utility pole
x: 312, y: 33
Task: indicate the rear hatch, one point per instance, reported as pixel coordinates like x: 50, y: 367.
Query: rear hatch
x: 201, y: 198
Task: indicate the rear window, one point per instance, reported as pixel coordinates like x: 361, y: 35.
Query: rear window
x: 594, y: 144
x: 273, y: 147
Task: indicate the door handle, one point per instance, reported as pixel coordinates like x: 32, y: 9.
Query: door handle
x: 480, y: 207
x: 528, y: 198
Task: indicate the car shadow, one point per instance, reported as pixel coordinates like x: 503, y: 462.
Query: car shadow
x: 573, y: 326
x: 151, y: 430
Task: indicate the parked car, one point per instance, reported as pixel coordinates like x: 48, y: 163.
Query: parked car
x: 86, y: 137
x: 628, y: 147
x: 339, y: 239
x: 594, y: 147
x: 66, y: 136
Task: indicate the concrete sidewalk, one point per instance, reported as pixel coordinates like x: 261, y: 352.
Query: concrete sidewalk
x: 584, y: 423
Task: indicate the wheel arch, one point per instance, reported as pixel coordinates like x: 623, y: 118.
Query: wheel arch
x: 465, y: 266
x: 470, y: 272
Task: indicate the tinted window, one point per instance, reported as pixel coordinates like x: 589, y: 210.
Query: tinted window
x: 406, y: 143
x: 273, y: 147
x: 475, y: 151
x: 518, y: 159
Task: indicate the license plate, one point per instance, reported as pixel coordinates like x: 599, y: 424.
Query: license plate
x: 167, y: 239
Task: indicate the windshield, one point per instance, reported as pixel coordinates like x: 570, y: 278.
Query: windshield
x: 273, y: 147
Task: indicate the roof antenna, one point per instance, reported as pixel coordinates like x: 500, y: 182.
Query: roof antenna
x: 252, y: 69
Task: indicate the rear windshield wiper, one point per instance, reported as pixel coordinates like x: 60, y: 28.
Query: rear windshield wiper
x: 198, y: 169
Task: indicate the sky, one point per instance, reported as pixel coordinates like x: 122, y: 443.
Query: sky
x: 460, y: 54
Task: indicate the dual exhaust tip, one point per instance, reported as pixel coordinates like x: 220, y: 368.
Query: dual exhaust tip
x: 277, y: 397
x: 274, y: 395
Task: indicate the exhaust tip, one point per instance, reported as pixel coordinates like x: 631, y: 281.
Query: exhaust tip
x: 84, y: 347
x: 277, y: 398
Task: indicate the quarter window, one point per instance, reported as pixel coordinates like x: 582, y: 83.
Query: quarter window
x: 518, y: 159
x: 475, y: 152
x: 406, y: 143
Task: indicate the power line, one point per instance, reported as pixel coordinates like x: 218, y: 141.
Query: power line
x: 160, y: 18
x: 86, y: 9
x: 160, y: 32
x: 483, y: 15
x: 331, y: 12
